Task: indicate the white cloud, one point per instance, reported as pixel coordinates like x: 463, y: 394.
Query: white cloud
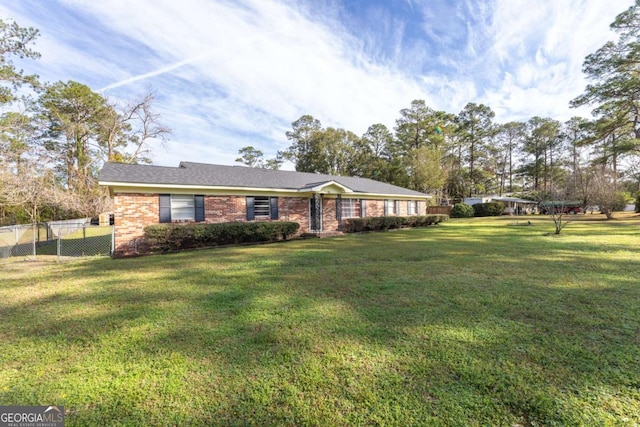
x: 271, y: 62
x: 540, y: 48
x: 234, y: 73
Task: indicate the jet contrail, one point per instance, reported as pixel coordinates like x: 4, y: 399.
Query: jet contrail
x: 153, y: 73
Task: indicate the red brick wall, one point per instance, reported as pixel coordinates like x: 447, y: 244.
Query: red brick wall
x: 131, y: 213
x: 225, y: 209
x: 295, y: 209
x: 375, y: 208
x: 134, y: 211
x: 329, y: 219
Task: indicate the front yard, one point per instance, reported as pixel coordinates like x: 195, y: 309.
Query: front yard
x: 473, y: 322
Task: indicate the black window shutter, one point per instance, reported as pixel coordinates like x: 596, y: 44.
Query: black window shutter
x: 199, y: 204
x: 339, y: 209
x: 273, y: 207
x: 251, y: 208
x: 165, y: 207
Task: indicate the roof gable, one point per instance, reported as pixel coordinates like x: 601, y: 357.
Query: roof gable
x: 327, y: 187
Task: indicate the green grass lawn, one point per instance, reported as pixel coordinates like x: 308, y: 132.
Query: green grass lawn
x: 474, y: 322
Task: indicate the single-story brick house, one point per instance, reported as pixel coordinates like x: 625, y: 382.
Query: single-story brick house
x: 196, y: 192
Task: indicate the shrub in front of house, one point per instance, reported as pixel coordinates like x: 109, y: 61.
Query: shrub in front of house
x: 171, y: 237
x: 426, y: 220
x: 356, y: 225
x: 437, y: 219
x: 488, y: 209
x: 462, y: 210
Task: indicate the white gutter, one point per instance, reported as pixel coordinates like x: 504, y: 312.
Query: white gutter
x: 140, y: 187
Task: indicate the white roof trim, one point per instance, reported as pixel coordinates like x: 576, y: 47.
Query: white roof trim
x: 244, y: 190
x: 319, y: 187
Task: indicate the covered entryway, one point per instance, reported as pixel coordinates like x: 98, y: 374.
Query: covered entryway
x: 322, y: 196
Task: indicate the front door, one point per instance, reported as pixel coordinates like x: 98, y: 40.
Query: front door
x: 315, y: 213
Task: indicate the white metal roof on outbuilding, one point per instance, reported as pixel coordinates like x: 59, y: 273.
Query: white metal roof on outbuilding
x: 514, y: 200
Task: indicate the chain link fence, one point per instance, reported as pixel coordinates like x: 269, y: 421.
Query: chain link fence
x: 74, y: 238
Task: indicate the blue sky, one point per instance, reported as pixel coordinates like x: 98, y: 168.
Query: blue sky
x: 228, y: 74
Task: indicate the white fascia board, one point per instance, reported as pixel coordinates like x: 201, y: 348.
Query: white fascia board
x: 374, y: 196
x: 137, y: 187
x: 318, y: 188
x: 126, y: 187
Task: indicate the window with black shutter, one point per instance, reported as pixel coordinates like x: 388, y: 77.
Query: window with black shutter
x: 262, y: 207
x: 412, y: 207
x: 181, y: 207
x: 391, y: 207
x: 351, y: 208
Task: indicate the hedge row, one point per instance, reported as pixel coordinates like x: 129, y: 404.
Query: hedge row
x: 169, y: 237
x: 355, y: 225
x: 488, y: 209
x: 462, y: 210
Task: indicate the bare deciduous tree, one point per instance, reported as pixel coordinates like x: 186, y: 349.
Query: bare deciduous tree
x: 558, y: 214
x: 558, y: 209
x: 30, y: 189
x: 603, y: 192
x: 130, y: 129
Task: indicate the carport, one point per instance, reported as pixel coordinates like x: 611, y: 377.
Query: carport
x: 517, y: 206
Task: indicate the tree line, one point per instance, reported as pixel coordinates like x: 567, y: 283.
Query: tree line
x: 593, y: 160
x: 54, y: 138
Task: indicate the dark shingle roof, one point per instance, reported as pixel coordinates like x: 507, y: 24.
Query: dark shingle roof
x: 207, y: 175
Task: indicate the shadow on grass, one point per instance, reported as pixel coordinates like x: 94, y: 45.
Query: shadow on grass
x: 410, y: 327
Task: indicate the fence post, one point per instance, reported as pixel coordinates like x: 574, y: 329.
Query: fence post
x: 58, y: 246
x: 15, y: 233
x: 34, y: 230
x: 113, y: 240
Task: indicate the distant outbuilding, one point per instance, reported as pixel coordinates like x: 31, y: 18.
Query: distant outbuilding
x: 512, y: 205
